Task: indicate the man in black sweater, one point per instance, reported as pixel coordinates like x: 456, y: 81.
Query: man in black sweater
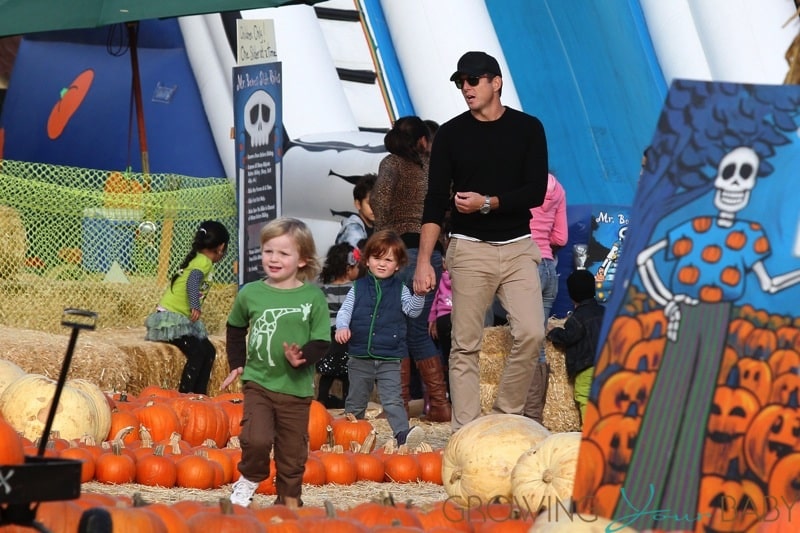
x: 494, y: 159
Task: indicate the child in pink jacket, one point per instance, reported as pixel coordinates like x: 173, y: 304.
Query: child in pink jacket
x: 439, y: 324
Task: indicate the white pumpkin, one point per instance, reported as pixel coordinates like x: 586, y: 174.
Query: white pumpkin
x: 25, y: 404
x: 564, y: 522
x: 9, y: 372
x: 479, y: 457
x: 100, y: 401
x: 545, y: 474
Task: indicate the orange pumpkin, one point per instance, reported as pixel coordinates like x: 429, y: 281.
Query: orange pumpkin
x: 339, y: 467
x: 589, y: 475
x: 159, y: 419
x: 682, y: 247
x: 701, y: 224
x: 760, y: 343
x: 130, y: 519
x: 383, y: 514
x: 711, y: 253
x: 221, y: 457
x: 738, y: 331
x: 369, y: 467
x: 401, y: 468
x: 732, y: 410
x: 86, y: 458
x: 624, y: 388
x: 783, y: 360
x: 755, y: 376
x: 788, y: 337
x: 174, y: 522
x: 645, y: 354
x: 430, y: 464
x: 194, y: 472
x: 730, y: 276
x: 689, y: 274
x: 784, y: 480
x: 728, y: 503
x: 729, y: 360
x: 201, y: 419
x: 224, y: 520
x: 616, y: 436
x: 115, y: 467
x: 711, y: 294
x: 785, y: 386
x: 445, y: 515
x: 123, y: 419
x: 156, y: 470
x: 736, y: 240
x: 318, y: 421
x: 654, y: 323
x: 773, y: 434
x: 12, y: 451
x: 234, y: 408
x: 314, y: 473
x: 625, y: 331
x: 349, y: 429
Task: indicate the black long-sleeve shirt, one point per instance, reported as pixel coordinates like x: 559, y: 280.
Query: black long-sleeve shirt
x: 506, y: 158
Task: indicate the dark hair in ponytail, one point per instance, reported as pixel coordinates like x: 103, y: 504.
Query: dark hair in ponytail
x: 403, y: 139
x: 209, y: 235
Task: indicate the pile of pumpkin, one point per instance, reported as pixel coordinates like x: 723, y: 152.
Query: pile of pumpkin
x: 499, y: 470
x: 164, y: 438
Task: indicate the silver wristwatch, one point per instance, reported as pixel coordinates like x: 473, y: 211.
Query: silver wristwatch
x: 487, y: 206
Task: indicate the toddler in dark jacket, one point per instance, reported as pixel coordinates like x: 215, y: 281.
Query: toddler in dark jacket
x: 580, y: 334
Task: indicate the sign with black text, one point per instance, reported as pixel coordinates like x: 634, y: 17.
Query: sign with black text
x: 257, y: 108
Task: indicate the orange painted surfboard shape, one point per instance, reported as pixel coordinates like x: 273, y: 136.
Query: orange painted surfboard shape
x: 71, y: 98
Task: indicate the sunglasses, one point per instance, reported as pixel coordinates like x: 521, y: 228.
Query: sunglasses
x: 473, y: 81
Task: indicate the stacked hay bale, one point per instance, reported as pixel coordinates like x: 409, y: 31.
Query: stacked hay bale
x: 560, y: 413
x: 160, y: 363
x: 491, y: 361
x: 15, y: 243
x: 94, y: 359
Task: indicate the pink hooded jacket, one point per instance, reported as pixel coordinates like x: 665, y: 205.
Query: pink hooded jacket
x: 549, y: 220
x: 443, y: 300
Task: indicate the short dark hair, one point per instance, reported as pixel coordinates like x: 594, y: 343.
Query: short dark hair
x: 364, y: 186
x: 581, y: 285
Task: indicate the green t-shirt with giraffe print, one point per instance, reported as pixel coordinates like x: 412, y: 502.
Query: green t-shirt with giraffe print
x: 274, y: 316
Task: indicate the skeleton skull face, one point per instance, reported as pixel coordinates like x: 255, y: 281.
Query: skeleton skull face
x: 259, y: 117
x: 736, y: 177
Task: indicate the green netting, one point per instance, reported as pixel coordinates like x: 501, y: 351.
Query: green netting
x: 103, y: 241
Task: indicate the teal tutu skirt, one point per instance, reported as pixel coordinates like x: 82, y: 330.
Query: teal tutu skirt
x: 166, y: 326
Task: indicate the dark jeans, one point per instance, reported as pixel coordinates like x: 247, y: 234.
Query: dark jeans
x: 280, y: 419
x: 200, y: 355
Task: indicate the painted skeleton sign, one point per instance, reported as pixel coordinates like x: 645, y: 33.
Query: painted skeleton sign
x: 703, y: 432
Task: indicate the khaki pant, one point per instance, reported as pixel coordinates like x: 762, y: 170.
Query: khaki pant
x: 280, y: 419
x: 478, y: 271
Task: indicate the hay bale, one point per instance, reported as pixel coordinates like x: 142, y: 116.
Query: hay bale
x: 560, y: 412
x: 161, y: 364
x: 93, y: 359
x: 488, y: 393
x: 491, y: 363
x: 494, y: 351
x: 15, y: 243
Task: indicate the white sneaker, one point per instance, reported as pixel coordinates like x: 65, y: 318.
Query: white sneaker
x: 243, y: 491
x: 412, y: 437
